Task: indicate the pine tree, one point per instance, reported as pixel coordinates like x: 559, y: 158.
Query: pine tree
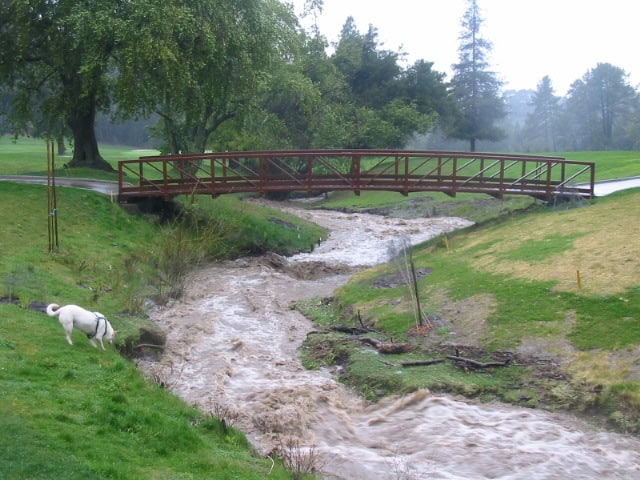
x: 475, y: 88
x: 542, y: 123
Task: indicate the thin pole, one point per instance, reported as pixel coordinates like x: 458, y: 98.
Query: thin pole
x: 55, y: 199
x: 50, y: 230
x: 52, y: 214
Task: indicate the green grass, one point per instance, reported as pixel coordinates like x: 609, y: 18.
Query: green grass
x: 513, y: 282
x: 28, y: 156
x: 76, y: 412
x: 251, y: 230
x: 609, y: 164
x: 524, y: 306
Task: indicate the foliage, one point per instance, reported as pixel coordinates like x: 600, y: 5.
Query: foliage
x: 73, y: 60
x: 385, y: 110
x: 359, y: 97
x: 219, y: 51
x: 542, y: 123
x: 599, y: 106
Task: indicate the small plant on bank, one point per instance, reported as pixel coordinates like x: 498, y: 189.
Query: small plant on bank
x: 301, y: 461
x: 407, y: 267
x: 186, y: 242
x: 226, y: 415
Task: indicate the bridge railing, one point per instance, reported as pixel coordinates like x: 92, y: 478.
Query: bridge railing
x: 403, y: 171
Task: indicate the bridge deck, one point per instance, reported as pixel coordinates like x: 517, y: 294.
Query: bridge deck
x: 356, y: 170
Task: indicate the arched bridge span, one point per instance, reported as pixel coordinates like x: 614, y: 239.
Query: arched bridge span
x: 401, y: 171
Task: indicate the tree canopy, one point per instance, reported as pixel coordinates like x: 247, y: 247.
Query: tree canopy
x: 54, y: 57
x: 542, y: 123
x: 243, y: 74
x: 195, y: 63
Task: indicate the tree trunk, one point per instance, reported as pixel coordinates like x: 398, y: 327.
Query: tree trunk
x: 472, y: 145
x: 61, y: 146
x: 85, y: 145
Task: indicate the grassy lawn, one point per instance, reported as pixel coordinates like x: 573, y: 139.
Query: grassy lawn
x: 76, y: 412
x: 558, y: 288
x: 28, y: 156
x: 610, y: 164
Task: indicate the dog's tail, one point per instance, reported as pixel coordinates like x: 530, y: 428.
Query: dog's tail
x: 53, y: 309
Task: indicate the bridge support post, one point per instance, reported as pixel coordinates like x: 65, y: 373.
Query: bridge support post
x: 355, y: 173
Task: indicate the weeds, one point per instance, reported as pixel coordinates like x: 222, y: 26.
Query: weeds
x: 300, y: 461
x: 407, y: 267
x: 226, y: 415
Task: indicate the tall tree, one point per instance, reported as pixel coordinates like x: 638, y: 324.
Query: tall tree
x: 542, y: 123
x: 212, y: 64
x: 195, y: 63
x: 428, y: 89
x: 383, y: 114
x: 598, y: 103
x: 55, y: 57
x: 476, y: 89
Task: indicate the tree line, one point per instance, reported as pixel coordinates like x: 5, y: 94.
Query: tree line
x: 244, y: 75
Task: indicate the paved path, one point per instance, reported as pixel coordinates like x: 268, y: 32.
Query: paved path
x: 605, y: 188
x: 101, y: 186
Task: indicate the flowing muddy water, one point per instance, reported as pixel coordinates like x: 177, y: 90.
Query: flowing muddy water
x: 232, y: 348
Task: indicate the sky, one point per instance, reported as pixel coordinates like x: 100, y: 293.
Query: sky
x: 563, y: 39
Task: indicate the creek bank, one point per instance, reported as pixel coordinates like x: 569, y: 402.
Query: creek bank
x: 233, y: 341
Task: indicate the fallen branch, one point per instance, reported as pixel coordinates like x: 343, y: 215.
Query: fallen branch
x: 385, y: 347
x: 422, y: 363
x: 319, y: 332
x: 149, y: 345
x: 351, y: 330
x: 476, y: 364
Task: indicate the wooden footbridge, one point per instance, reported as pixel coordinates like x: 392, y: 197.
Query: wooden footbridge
x: 401, y: 171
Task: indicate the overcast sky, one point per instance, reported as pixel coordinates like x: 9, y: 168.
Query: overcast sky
x: 531, y: 38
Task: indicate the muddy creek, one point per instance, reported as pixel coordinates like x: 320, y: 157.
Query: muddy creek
x: 232, y: 345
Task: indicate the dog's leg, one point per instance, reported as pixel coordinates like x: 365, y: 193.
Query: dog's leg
x: 92, y: 341
x: 67, y: 333
x: 101, y: 344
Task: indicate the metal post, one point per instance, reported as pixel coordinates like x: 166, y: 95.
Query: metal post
x: 52, y: 222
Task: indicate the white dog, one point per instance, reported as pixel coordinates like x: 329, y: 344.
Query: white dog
x: 94, y: 324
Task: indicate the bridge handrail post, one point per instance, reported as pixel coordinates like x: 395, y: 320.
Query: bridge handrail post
x: 549, y: 176
x: 261, y: 172
x: 454, y: 175
x: 165, y: 172
x: 213, y: 175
